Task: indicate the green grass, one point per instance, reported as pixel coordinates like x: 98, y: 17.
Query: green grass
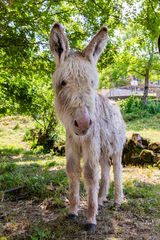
x: 147, y: 127
x: 12, y: 131
x: 43, y: 188
x: 20, y: 166
x: 35, y: 176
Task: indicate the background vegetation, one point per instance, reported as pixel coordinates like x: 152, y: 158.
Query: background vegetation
x: 26, y: 63
x: 33, y: 182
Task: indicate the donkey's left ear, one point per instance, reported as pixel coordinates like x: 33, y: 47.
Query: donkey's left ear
x: 58, y: 43
x: 96, y: 45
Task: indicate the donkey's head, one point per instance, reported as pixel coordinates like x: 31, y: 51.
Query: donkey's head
x: 75, y: 79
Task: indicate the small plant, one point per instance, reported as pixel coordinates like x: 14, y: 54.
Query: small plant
x: 41, y: 233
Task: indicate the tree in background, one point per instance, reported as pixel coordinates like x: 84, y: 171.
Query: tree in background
x: 136, y: 47
x: 148, y: 23
x: 143, y: 60
x: 26, y: 64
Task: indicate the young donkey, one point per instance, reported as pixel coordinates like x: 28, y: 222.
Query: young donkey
x: 94, y: 126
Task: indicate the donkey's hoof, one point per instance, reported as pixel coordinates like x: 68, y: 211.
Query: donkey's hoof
x: 105, y: 200
x: 72, y: 216
x: 90, y: 227
x: 100, y: 207
x: 117, y: 206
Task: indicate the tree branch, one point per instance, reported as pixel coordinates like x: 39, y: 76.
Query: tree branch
x: 133, y: 70
x: 24, y: 44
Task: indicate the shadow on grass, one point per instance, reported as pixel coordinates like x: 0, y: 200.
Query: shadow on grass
x: 8, y: 151
x: 8, y: 154
x: 43, y: 213
x: 38, y: 180
x: 132, y: 221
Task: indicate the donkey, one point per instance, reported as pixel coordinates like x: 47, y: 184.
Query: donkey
x: 95, y: 130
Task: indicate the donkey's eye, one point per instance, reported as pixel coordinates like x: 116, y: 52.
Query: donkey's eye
x: 63, y: 83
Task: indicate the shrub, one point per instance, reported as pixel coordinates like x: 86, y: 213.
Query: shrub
x: 132, y: 108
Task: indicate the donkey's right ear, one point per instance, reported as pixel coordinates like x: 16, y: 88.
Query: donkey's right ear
x: 58, y: 43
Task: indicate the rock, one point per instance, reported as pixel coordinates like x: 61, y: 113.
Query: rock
x: 136, y: 137
x: 139, y: 151
x: 145, y: 142
x: 158, y: 164
x: 136, y: 161
x: 131, y: 152
x: 157, y: 160
x: 155, y: 147
x: 147, y: 157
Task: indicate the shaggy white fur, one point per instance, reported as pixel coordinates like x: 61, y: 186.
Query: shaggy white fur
x: 75, y: 81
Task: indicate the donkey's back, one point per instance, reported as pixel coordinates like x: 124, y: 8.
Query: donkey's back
x: 112, y: 126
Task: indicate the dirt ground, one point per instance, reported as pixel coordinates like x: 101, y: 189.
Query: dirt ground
x: 32, y: 219
x: 20, y: 217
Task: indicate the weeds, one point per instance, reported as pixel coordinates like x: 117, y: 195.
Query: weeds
x: 40, y: 232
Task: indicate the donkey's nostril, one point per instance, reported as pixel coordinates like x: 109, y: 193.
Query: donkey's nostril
x: 90, y: 123
x: 75, y: 123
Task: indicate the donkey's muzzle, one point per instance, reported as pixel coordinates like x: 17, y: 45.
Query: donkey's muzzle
x: 82, y: 121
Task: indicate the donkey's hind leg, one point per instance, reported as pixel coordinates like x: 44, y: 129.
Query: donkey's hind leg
x: 105, y: 181
x: 117, y: 170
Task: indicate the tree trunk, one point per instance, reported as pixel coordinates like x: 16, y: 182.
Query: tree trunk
x: 146, y: 87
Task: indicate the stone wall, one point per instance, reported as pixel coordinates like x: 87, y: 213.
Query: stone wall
x: 139, y: 151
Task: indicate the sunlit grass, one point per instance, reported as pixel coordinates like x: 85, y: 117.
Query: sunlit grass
x: 58, y: 161
x: 147, y: 127
x: 153, y: 135
x: 12, y: 131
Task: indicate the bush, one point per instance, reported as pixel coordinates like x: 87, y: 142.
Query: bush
x: 47, y: 141
x: 46, y: 135
x: 132, y: 108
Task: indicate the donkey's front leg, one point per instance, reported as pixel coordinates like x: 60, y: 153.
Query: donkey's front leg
x: 73, y: 172
x: 92, y: 186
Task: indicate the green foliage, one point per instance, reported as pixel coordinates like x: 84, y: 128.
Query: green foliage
x: 45, y: 135
x: 132, y: 108
x: 26, y: 63
x: 136, y: 46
